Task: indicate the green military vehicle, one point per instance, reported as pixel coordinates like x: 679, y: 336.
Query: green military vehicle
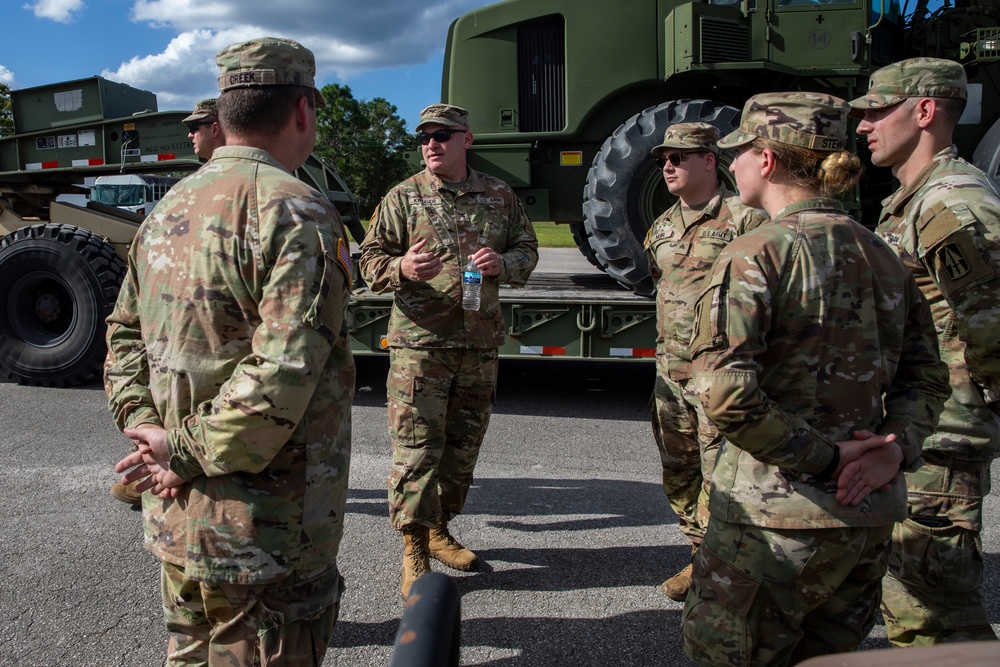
x: 61, y: 264
x: 568, y: 96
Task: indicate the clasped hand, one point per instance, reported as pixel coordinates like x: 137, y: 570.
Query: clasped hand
x: 150, y: 463
x: 868, y: 463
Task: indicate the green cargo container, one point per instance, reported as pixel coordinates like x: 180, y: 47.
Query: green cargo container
x: 73, y: 102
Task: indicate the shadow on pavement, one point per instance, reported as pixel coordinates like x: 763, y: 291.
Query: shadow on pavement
x: 585, y: 389
x: 633, y: 638
x: 621, y: 503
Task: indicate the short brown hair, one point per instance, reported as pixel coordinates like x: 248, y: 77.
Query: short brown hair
x: 261, y: 110
x: 951, y: 108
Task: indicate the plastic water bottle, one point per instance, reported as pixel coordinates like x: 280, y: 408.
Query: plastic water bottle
x: 472, y: 282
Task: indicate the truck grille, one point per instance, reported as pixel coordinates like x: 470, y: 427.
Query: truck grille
x: 541, y: 75
x: 985, y: 44
x: 723, y: 41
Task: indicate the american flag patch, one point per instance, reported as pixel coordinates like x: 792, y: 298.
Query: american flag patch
x: 344, y: 256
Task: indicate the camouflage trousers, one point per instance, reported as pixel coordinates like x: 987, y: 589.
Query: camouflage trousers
x: 932, y: 591
x: 762, y: 596
x: 284, y: 624
x: 688, y: 443
x: 439, y: 407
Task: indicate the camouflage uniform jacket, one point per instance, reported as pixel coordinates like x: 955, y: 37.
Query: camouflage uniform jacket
x: 946, y: 228
x: 229, y: 331
x: 455, y: 220
x: 680, y: 254
x: 811, y: 328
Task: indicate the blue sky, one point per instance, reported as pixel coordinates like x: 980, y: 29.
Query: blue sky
x: 380, y: 48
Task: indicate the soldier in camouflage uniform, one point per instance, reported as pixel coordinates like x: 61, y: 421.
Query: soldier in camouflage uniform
x: 816, y: 358
x: 206, y: 135
x: 443, y: 359
x: 229, y: 367
x: 681, y: 246
x: 204, y: 130
x: 944, y: 222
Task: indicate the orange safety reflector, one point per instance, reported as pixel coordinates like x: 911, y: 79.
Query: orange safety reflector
x: 543, y: 349
x: 159, y: 157
x: 632, y: 352
x: 35, y: 166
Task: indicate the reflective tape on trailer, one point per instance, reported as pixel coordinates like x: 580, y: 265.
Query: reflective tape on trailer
x: 160, y: 157
x: 632, y: 352
x: 92, y: 162
x: 543, y: 350
x: 36, y: 166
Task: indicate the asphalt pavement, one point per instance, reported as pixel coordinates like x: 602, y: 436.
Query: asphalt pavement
x: 566, y: 513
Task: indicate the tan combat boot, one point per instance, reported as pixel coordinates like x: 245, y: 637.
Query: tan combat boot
x: 676, y: 587
x: 449, y: 551
x: 126, y: 493
x: 416, y: 556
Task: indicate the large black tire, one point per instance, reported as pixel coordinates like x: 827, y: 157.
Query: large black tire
x: 582, y: 239
x: 625, y: 191
x: 58, y: 283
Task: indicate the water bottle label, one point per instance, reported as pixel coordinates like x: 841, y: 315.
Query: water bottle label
x: 472, y: 278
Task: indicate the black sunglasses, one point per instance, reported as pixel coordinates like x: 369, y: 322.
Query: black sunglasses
x: 676, y: 158
x: 440, y: 136
x: 193, y: 127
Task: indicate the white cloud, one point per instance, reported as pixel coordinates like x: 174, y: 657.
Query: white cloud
x: 348, y: 38
x: 57, y: 10
x: 7, y: 77
x: 185, y: 70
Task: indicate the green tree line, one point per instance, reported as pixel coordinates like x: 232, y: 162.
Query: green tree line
x: 6, y: 114
x: 365, y: 141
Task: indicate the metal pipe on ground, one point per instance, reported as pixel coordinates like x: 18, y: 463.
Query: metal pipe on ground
x: 429, y: 632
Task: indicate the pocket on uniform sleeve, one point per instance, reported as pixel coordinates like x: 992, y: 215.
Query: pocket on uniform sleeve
x: 956, y: 254
x: 710, y: 313
x: 327, y: 311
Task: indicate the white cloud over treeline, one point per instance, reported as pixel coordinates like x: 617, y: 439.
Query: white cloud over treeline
x: 348, y: 38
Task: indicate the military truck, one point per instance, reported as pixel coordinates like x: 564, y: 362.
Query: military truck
x: 62, y: 264
x: 568, y: 96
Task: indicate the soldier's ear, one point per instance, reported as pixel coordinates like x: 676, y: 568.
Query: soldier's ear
x: 925, y: 111
x: 768, y: 163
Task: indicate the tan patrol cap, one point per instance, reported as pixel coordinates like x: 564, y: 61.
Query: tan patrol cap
x: 690, y: 136
x: 915, y: 77
x: 811, y: 120
x: 267, y: 61
x: 203, y: 110
x: 443, y: 114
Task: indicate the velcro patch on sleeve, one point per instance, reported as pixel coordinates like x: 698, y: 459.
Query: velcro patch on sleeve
x: 344, y: 258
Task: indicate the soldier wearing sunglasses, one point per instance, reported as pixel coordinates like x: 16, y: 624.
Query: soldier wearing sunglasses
x: 204, y: 129
x: 443, y: 359
x: 681, y: 246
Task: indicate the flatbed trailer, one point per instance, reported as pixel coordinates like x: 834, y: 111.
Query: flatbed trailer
x: 568, y: 310
x: 61, y: 264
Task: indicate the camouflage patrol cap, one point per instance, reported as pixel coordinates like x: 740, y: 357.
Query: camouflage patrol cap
x: 811, y: 120
x: 203, y: 110
x: 690, y: 136
x: 916, y: 77
x: 443, y: 114
x: 267, y: 61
